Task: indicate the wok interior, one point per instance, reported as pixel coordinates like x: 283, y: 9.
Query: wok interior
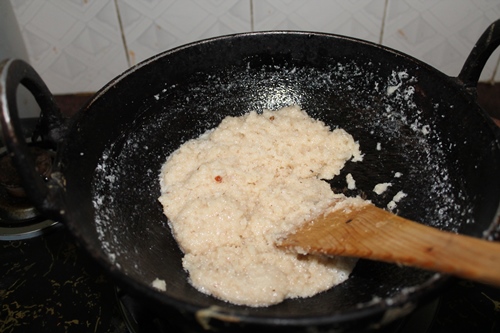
x: 436, y: 137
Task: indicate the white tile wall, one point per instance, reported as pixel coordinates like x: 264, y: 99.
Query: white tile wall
x: 361, y: 19
x: 79, y: 45
x: 440, y: 33
x: 75, y: 45
x: 154, y: 26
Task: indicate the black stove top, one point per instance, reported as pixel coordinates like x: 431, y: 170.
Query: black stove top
x: 49, y: 284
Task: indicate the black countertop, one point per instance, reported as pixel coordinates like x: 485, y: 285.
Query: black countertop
x: 48, y: 284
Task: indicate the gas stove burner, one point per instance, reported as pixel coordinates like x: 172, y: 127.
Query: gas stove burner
x: 10, y: 179
x: 30, y: 230
x: 19, y: 219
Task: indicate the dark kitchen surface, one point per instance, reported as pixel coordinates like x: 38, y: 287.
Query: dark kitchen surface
x: 48, y: 284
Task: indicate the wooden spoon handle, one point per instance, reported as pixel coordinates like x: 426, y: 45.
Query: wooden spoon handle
x: 376, y: 234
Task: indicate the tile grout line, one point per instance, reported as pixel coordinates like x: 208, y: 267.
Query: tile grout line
x: 495, y: 71
x: 122, y: 33
x: 252, y: 24
x: 382, y: 25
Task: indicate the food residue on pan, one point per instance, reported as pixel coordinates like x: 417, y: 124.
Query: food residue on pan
x: 393, y: 203
x: 159, y: 284
x: 381, y: 188
x: 232, y: 192
x: 351, y: 183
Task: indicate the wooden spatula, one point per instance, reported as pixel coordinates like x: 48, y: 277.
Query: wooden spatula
x: 373, y: 233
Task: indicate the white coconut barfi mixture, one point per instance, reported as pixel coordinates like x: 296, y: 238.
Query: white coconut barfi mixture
x: 232, y: 192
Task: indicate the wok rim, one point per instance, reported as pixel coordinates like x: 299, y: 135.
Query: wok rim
x: 421, y: 293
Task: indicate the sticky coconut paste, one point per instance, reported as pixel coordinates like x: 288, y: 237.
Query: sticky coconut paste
x: 230, y: 194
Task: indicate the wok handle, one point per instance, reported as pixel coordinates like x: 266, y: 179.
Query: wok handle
x: 12, y: 73
x: 473, y: 66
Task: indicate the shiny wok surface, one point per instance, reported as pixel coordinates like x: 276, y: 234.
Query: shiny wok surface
x: 428, y: 129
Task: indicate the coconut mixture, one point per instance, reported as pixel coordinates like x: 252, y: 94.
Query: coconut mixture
x: 233, y: 192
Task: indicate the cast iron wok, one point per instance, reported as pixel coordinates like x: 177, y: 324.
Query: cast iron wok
x: 419, y: 129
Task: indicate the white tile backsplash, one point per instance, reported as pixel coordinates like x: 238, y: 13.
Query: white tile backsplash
x: 441, y: 33
x: 151, y: 27
x: 80, y: 45
x: 76, y: 46
x: 361, y: 19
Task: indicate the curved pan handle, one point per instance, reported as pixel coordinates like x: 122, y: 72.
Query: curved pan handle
x: 473, y: 66
x: 12, y: 73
